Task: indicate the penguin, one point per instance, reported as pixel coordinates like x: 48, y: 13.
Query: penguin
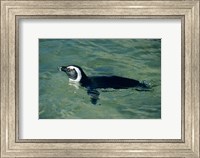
x: 77, y: 76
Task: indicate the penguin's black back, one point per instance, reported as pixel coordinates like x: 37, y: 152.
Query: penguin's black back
x: 115, y: 82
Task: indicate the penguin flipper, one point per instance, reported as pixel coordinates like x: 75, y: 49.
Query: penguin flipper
x: 94, y: 95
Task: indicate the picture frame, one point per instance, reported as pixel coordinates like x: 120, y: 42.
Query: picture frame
x: 12, y: 11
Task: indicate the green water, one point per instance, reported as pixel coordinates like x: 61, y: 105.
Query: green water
x: 133, y: 58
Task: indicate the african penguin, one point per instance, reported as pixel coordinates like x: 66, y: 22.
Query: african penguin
x: 76, y: 75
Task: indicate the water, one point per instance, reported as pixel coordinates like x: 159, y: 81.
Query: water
x: 133, y: 58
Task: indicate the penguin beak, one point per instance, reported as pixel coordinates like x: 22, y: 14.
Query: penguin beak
x: 62, y: 68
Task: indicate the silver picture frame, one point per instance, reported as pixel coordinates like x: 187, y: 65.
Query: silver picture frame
x: 13, y: 11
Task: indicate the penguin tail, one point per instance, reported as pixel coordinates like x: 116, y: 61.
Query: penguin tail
x: 144, y: 86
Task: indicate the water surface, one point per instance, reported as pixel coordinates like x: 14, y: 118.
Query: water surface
x: 133, y: 58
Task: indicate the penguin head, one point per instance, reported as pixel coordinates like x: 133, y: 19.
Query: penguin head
x: 75, y: 73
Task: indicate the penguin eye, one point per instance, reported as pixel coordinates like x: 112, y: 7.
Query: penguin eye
x: 70, y: 69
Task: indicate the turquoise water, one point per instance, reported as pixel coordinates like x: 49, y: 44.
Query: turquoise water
x: 133, y: 58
